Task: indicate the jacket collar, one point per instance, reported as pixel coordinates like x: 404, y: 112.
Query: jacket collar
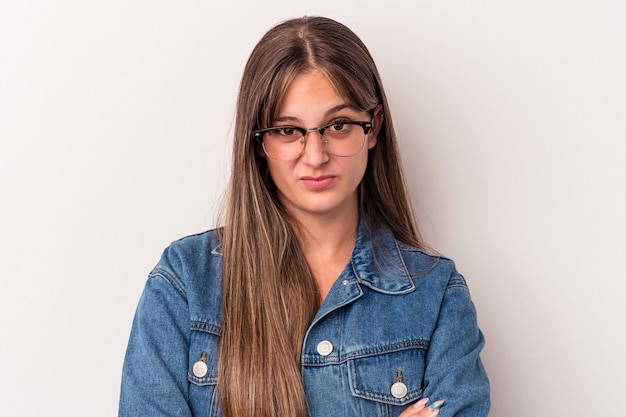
x: 377, y: 261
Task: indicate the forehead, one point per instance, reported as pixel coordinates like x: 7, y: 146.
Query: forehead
x: 311, y: 93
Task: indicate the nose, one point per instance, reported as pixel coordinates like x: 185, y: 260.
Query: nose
x: 314, y: 153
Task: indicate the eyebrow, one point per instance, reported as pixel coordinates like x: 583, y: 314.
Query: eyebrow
x: 328, y: 112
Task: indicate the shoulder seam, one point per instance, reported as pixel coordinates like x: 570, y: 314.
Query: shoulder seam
x: 457, y: 281
x: 171, y: 279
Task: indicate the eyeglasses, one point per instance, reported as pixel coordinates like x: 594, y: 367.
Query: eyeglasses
x: 341, y: 138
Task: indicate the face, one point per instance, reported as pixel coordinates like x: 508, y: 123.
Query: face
x: 318, y: 183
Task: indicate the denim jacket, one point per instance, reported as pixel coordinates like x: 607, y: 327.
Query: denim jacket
x: 397, y: 325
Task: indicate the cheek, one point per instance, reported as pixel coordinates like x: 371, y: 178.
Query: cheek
x: 279, y: 172
x: 358, y: 168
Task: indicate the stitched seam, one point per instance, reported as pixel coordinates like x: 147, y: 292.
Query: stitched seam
x: 207, y: 380
x: 457, y: 282
x: 343, y: 394
x: 172, y: 279
x: 406, y: 270
x: 206, y: 327
x: 381, y: 396
x: 378, y: 394
x: 363, y: 353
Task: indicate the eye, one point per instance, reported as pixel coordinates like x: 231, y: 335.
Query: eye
x: 286, y: 131
x: 338, y: 126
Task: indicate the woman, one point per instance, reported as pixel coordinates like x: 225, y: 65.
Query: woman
x: 317, y: 297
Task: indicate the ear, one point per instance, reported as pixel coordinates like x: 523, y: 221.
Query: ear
x: 378, y: 118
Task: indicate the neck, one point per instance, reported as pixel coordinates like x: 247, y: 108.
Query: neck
x: 327, y: 243
x: 328, y: 233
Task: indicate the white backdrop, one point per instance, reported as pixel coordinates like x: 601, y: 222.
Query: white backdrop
x: 115, y: 125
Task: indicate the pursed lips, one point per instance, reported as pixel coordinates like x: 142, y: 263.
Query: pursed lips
x: 318, y: 183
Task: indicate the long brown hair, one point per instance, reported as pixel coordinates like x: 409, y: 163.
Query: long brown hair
x: 269, y: 295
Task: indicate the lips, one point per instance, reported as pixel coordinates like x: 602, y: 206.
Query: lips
x: 318, y: 183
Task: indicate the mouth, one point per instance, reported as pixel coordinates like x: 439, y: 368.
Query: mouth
x: 318, y: 183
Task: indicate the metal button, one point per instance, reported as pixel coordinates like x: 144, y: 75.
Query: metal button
x: 324, y: 348
x: 345, y: 282
x: 399, y: 390
x: 199, y: 368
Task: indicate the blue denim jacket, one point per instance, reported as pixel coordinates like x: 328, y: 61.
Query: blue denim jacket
x: 396, y: 326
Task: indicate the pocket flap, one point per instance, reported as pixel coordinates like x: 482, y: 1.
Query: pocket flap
x: 372, y: 377
x: 203, y: 355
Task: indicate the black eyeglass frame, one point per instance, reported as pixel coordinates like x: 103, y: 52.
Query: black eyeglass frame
x: 366, y: 126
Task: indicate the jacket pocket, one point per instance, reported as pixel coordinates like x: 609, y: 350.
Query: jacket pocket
x: 202, y: 370
x: 394, y: 376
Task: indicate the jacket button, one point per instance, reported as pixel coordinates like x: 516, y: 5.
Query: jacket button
x: 399, y: 390
x: 324, y: 348
x: 200, y: 369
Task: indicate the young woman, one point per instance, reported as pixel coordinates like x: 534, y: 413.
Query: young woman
x: 317, y: 297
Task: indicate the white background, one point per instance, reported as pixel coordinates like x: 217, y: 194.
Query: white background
x: 115, y: 126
